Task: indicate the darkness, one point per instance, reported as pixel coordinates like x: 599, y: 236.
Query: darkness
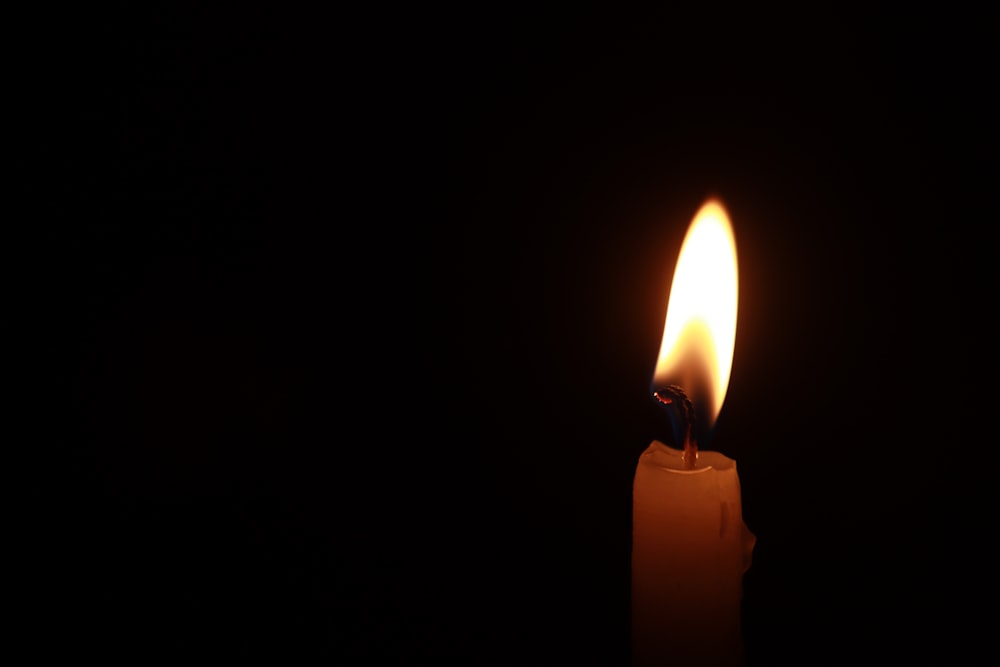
x: 344, y: 327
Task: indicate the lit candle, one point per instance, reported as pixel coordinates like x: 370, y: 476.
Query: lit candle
x: 690, y: 546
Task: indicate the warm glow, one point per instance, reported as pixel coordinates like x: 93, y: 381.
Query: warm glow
x: 700, y: 330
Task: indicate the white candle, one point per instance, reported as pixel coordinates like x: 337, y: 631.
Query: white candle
x: 690, y: 546
x: 690, y: 549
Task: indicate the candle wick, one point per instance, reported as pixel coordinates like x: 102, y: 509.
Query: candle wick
x: 690, y: 452
x: 680, y: 412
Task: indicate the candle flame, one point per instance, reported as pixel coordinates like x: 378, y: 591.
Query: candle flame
x: 700, y: 329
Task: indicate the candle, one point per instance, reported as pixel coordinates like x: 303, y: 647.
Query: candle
x: 690, y: 546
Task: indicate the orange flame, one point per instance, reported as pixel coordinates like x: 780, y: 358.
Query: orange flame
x: 700, y: 330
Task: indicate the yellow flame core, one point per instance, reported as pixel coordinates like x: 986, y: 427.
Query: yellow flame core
x: 699, y: 334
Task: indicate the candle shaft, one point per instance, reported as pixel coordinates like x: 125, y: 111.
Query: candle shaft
x: 690, y: 550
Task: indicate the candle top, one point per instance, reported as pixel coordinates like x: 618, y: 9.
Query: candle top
x: 671, y: 459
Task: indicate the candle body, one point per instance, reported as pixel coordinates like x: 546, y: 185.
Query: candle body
x: 690, y: 549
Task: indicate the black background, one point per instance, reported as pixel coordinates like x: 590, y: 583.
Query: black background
x: 346, y: 324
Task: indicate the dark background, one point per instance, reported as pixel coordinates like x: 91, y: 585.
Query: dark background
x: 345, y: 326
